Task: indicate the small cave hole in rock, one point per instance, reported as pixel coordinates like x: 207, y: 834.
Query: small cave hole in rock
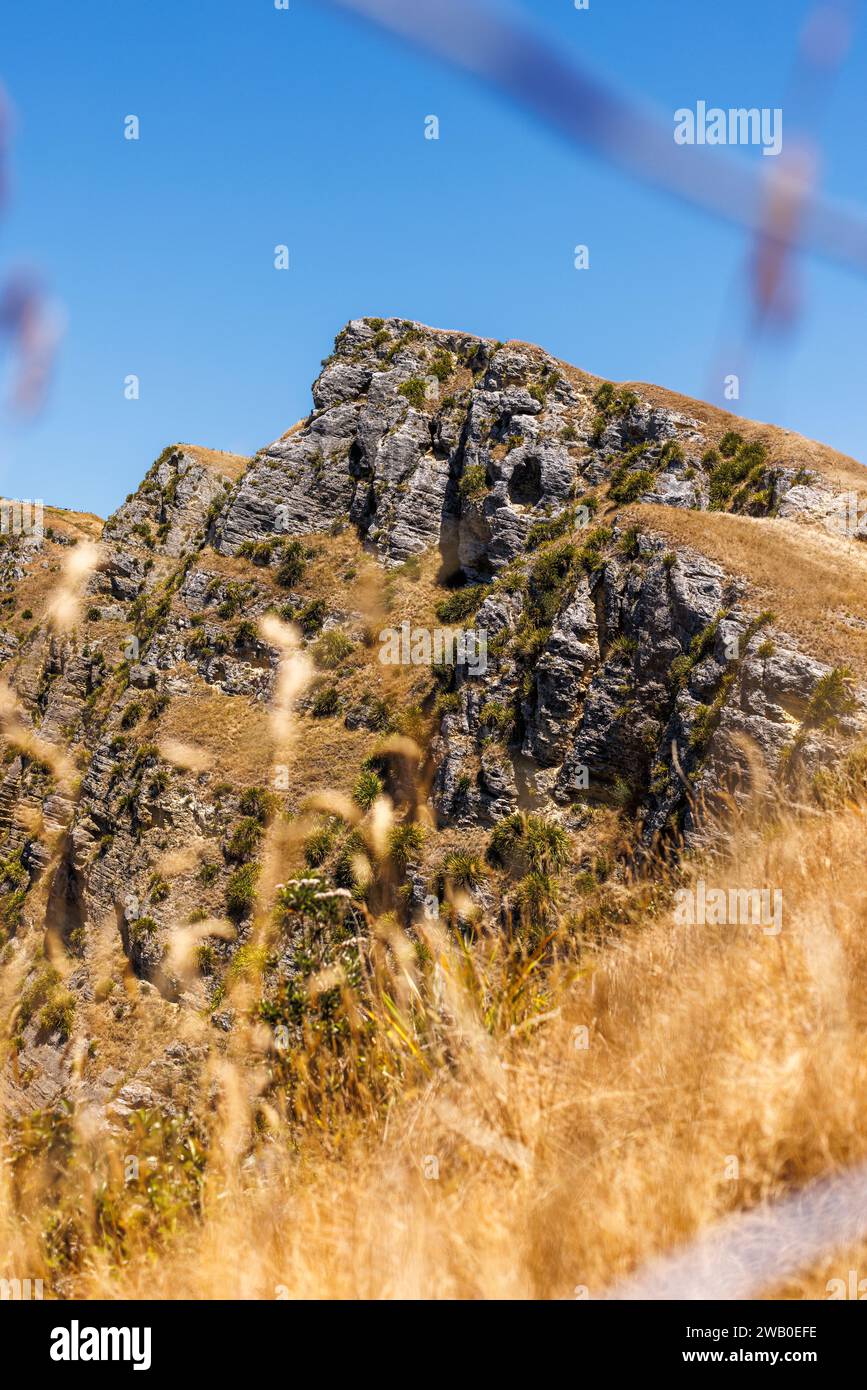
x: 525, y: 484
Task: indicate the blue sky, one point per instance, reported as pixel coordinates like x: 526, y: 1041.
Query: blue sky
x: 302, y: 127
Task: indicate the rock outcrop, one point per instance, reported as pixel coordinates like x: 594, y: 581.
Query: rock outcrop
x: 622, y: 670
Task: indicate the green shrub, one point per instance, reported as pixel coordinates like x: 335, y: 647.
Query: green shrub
x: 464, y: 870
x: 58, y: 1015
x: 724, y: 478
x: 308, y: 898
x: 447, y: 703
x: 368, y: 787
x: 145, y: 754
x: 535, y: 898
x: 292, y: 566
x: 498, y: 716
x: 529, y: 640
x: 332, y: 649
x: 552, y: 578
x: 405, y: 842
x: 38, y: 992
x: 701, y: 645
x: 260, y: 552
x: 414, y: 391
x: 679, y: 670
x: 707, y: 717
x: 831, y: 699
x: 131, y: 715
x: 412, y: 721
x: 318, y: 845
x: 244, y: 840
x: 442, y: 366
x: 605, y: 398
x: 159, y: 703
x: 597, y: 429
x: 462, y: 603
x: 236, y: 595
x: 352, y: 852
x: 158, y: 888
x: 241, y: 891
x: 529, y: 840
x: 326, y: 702
x: 632, y: 485
x: 628, y: 544
x: 609, y: 401
x: 474, y: 482
x: 374, y: 712
x: 258, y: 802
x: 311, y: 616
x: 730, y: 443
x: 551, y: 528
x: 622, y: 647
x: 672, y: 452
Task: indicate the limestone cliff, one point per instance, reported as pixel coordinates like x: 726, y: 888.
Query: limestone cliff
x: 640, y: 668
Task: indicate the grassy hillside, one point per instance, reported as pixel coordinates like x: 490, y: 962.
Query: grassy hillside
x: 328, y: 977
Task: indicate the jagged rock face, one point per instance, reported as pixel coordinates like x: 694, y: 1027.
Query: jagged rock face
x: 401, y: 413
x: 621, y: 672
x: 602, y: 716
x: 172, y: 506
x: 406, y: 417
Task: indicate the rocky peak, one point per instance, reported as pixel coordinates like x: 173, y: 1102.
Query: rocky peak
x: 470, y: 484
x: 424, y: 438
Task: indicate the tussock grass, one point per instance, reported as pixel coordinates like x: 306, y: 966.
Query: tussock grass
x: 561, y: 1117
x: 516, y: 1110
x: 815, y: 582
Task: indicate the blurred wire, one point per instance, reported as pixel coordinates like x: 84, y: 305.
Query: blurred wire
x: 33, y: 327
x: 765, y: 295
x: 29, y: 323
x: 503, y: 50
x: 824, y: 44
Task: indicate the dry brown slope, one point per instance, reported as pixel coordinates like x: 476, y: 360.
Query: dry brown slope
x: 815, y: 582
x: 784, y: 446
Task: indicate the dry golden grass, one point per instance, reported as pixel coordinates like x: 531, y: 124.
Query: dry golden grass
x: 504, y: 1124
x: 785, y: 447
x: 230, y: 729
x: 815, y: 582
x: 533, y: 1165
x: 37, y: 589
x: 230, y: 466
x: 78, y: 525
